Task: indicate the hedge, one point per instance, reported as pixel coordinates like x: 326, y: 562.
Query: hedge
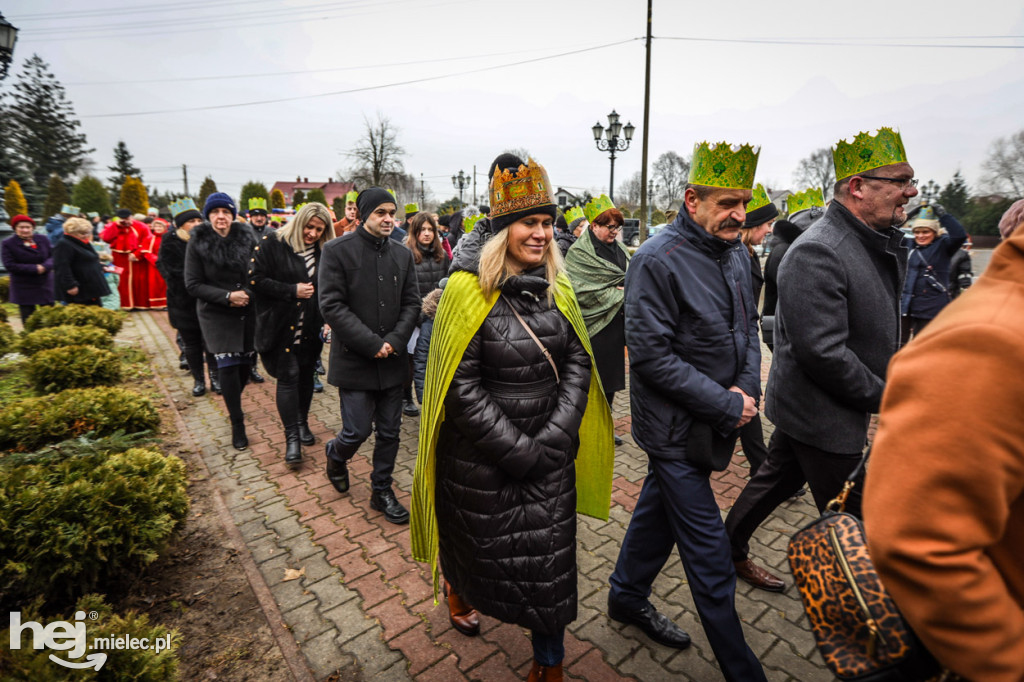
x: 8, y: 339
x: 30, y: 423
x: 67, y: 367
x: 5, y: 291
x: 71, y: 525
x: 77, y: 315
x: 65, y: 335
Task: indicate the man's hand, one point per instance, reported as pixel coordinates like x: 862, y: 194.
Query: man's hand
x: 304, y: 290
x: 384, y: 351
x: 749, y: 406
x: 238, y: 299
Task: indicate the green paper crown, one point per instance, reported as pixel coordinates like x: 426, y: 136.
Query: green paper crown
x: 392, y: 193
x: 596, y: 207
x: 93, y: 214
x: 868, y: 152
x: 68, y: 208
x: 298, y: 207
x: 470, y: 222
x: 759, y: 199
x: 412, y: 208
x: 257, y: 203
x: 574, y: 213
x: 182, y: 205
x: 722, y: 166
x: 803, y: 200
x: 351, y: 197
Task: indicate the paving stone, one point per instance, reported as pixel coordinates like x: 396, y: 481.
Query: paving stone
x: 305, y: 622
x: 377, y: 660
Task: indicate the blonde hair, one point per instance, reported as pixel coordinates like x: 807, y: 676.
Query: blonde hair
x: 495, y: 269
x: 291, y: 232
x: 77, y: 226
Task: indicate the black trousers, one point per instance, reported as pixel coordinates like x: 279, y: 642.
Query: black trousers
x: 790, y: 464
x: 192, y: 347
x: 233, y: 379
x: 359, y: 411
x: 752, y: 442
x: 295, y: 371
x: 911, y: 327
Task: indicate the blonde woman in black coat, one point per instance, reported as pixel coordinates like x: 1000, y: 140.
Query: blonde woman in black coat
x: 288, y: 319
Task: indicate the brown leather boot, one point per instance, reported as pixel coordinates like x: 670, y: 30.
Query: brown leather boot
x: 540, y: 673
x: 463, y: 617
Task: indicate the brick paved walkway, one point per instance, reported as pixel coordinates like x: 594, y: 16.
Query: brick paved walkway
x: 362, y: 603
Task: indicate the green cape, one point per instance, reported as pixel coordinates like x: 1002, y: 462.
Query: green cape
x: 596, y: 283
x: 460, y: 313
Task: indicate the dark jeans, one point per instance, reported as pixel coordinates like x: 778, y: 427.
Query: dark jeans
x: 677, y: 506
x: 359, y: 411
x: 295, y: 372
x: 790, y: 464
x: 752, y: 441
x: 910, y: 327
x: 548, y: 650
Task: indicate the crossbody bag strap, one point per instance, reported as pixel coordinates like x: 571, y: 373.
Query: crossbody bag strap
x: 838, y: 503
x: 926, y: 273
x: 540, y: 344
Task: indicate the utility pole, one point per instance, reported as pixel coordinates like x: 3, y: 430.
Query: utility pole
x: 423, y: 202
x: 184, y: 173
x: 475, y: 202
x: 647, y: 121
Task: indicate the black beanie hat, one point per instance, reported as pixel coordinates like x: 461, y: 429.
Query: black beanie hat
x: 759, y: 216
x: 512, y: 162
x: 370, y: 199
x: 561, y: 224
x: 186, y: 216
x: 123, y: 213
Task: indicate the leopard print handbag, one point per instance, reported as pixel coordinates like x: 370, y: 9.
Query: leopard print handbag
x: 857, y: 626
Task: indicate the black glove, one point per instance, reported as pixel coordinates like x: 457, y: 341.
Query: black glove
x: 939, y: 209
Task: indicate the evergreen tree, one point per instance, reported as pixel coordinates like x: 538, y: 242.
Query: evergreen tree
x: 299, y: 197
x: 56, y: 196
x: 206, y: 189
x: 14, y: 200
x: 252, y: 190
x: 277, y: 199
x: 134, y: 196
x: 338, y: 206
x: 317, y: 195
x: 90, y: 195
x: 123, y: 167
x: 954, y: 196
x: 11, y: 167
x: 43, y: 127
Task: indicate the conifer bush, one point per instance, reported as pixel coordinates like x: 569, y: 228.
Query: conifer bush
x: 73, y: 525
x: 8, y: 339
x: 76, y: 315
x: 66, y: 367
x: 5, y: 292
x: 28, y: 424
x: 64, y: 335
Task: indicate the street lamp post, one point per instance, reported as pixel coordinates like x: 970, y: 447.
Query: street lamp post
x: 8, y: 36
x: 930, y: 190
x: 461, y: 182
x: 651, y: 187
x: 612, y: 143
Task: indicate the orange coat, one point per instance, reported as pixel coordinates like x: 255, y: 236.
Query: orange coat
x: 944, y: 497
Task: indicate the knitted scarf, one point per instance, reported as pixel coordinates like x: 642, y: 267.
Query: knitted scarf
x: 596, y: 283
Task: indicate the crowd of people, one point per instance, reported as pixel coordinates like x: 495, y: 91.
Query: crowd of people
x: 506, y: 329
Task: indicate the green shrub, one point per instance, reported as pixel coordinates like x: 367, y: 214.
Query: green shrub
x: 123, y: 665
x: 65, y: 335
x: 77, y: 315
x: 28, y: 424
x: 57, y: 369
x: 5, y: 291
x: 68, y: 526
x: 3, y: 313
x: 8, y: 339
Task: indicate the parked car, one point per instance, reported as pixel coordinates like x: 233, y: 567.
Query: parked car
x: 631, y: 232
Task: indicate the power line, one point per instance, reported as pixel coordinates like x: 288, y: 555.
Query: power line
x: 363, y: 89
x: 838, y: 42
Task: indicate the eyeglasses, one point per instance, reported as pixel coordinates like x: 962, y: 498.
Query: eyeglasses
x: 610, y: 228
x: 903, y: 183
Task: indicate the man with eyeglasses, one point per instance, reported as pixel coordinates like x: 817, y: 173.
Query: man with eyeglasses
x: 836, y: 327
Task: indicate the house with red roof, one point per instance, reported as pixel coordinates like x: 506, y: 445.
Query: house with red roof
x: 331, y: 189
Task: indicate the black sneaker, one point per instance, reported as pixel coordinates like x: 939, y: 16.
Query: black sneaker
x: 386, y: 502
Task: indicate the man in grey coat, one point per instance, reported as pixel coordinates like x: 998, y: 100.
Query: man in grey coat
x: 837, y: 326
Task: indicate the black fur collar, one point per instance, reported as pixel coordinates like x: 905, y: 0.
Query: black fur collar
x: 230, y: 252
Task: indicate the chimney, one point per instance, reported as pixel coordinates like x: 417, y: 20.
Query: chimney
x: 305, y: 179
x: 298, y: 179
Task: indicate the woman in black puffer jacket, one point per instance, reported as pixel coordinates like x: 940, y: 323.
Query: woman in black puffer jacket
x: 216, y: 264
x: 288, y: 319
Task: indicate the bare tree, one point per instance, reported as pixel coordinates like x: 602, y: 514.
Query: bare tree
x: 1004, y: 167
x: 630, y: 191
x: 816, y: 171
x: 670, y: 173
x: 377, y: 156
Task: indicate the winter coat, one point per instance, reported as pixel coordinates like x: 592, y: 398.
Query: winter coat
x: 28, y: 286
x: 961, y: 274
x: 505, y: 495
x: 214, y: 267
x: 181, y: 305
x: 54, y: 228
x: 926, y: 290
x: 422, y: 351
x: 564, y: 241
x: 836, y: 327
x: 368, y: 296
x: 691, y: 331
x: 76, y: 264
x: 784, y: 233
x: 429, y: 272
x: 273, y: 274
x: 944, y: 497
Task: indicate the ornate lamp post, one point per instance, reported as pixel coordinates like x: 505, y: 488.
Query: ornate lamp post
x: 930, y: 190
x: 461, y: 182
x: 612, y: 143
x: 8, y: 36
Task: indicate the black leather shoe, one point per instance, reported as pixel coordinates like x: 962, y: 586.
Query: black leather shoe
x: 254, y: 375
x: 409, y: 409
x: 618, y: 441
x: 238, y: 437
x: 292, y: 448
x: 337, y: 470
x: 182, y: 362
x: 655, y: 624
x: 386, y: 502
x: 215, y: 383
x: 318, y: 386
x: 320, y: 367
x: 199, y: 388
x: 305, y: 435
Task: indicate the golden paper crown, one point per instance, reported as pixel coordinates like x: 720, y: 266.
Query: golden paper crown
x: 574, y: 213
x: 470, y: 222
x: 513, y: 192
x: 179, y: 207
x: 811, y: 196
x: 722, y: 166
x: 868, y: 152
x: 597, y: 206
x: 257, y: 204
x: 759, y: 199
x: 351, y: 197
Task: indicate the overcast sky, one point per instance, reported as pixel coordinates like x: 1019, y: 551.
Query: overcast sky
x: 837, y: 73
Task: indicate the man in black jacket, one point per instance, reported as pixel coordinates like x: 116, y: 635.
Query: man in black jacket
x: 695, y: 366
x: 369, y: 297
x: 837, y: 326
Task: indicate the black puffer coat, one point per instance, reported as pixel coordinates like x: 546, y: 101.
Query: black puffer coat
x: 181, y: 305
x: 274, y: 272
x: 214, y: 267
x: 429, y: 272
x: 506, y: 495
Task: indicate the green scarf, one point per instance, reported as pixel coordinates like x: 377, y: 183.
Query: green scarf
x: 596, y: 282
x: 463, y: 308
